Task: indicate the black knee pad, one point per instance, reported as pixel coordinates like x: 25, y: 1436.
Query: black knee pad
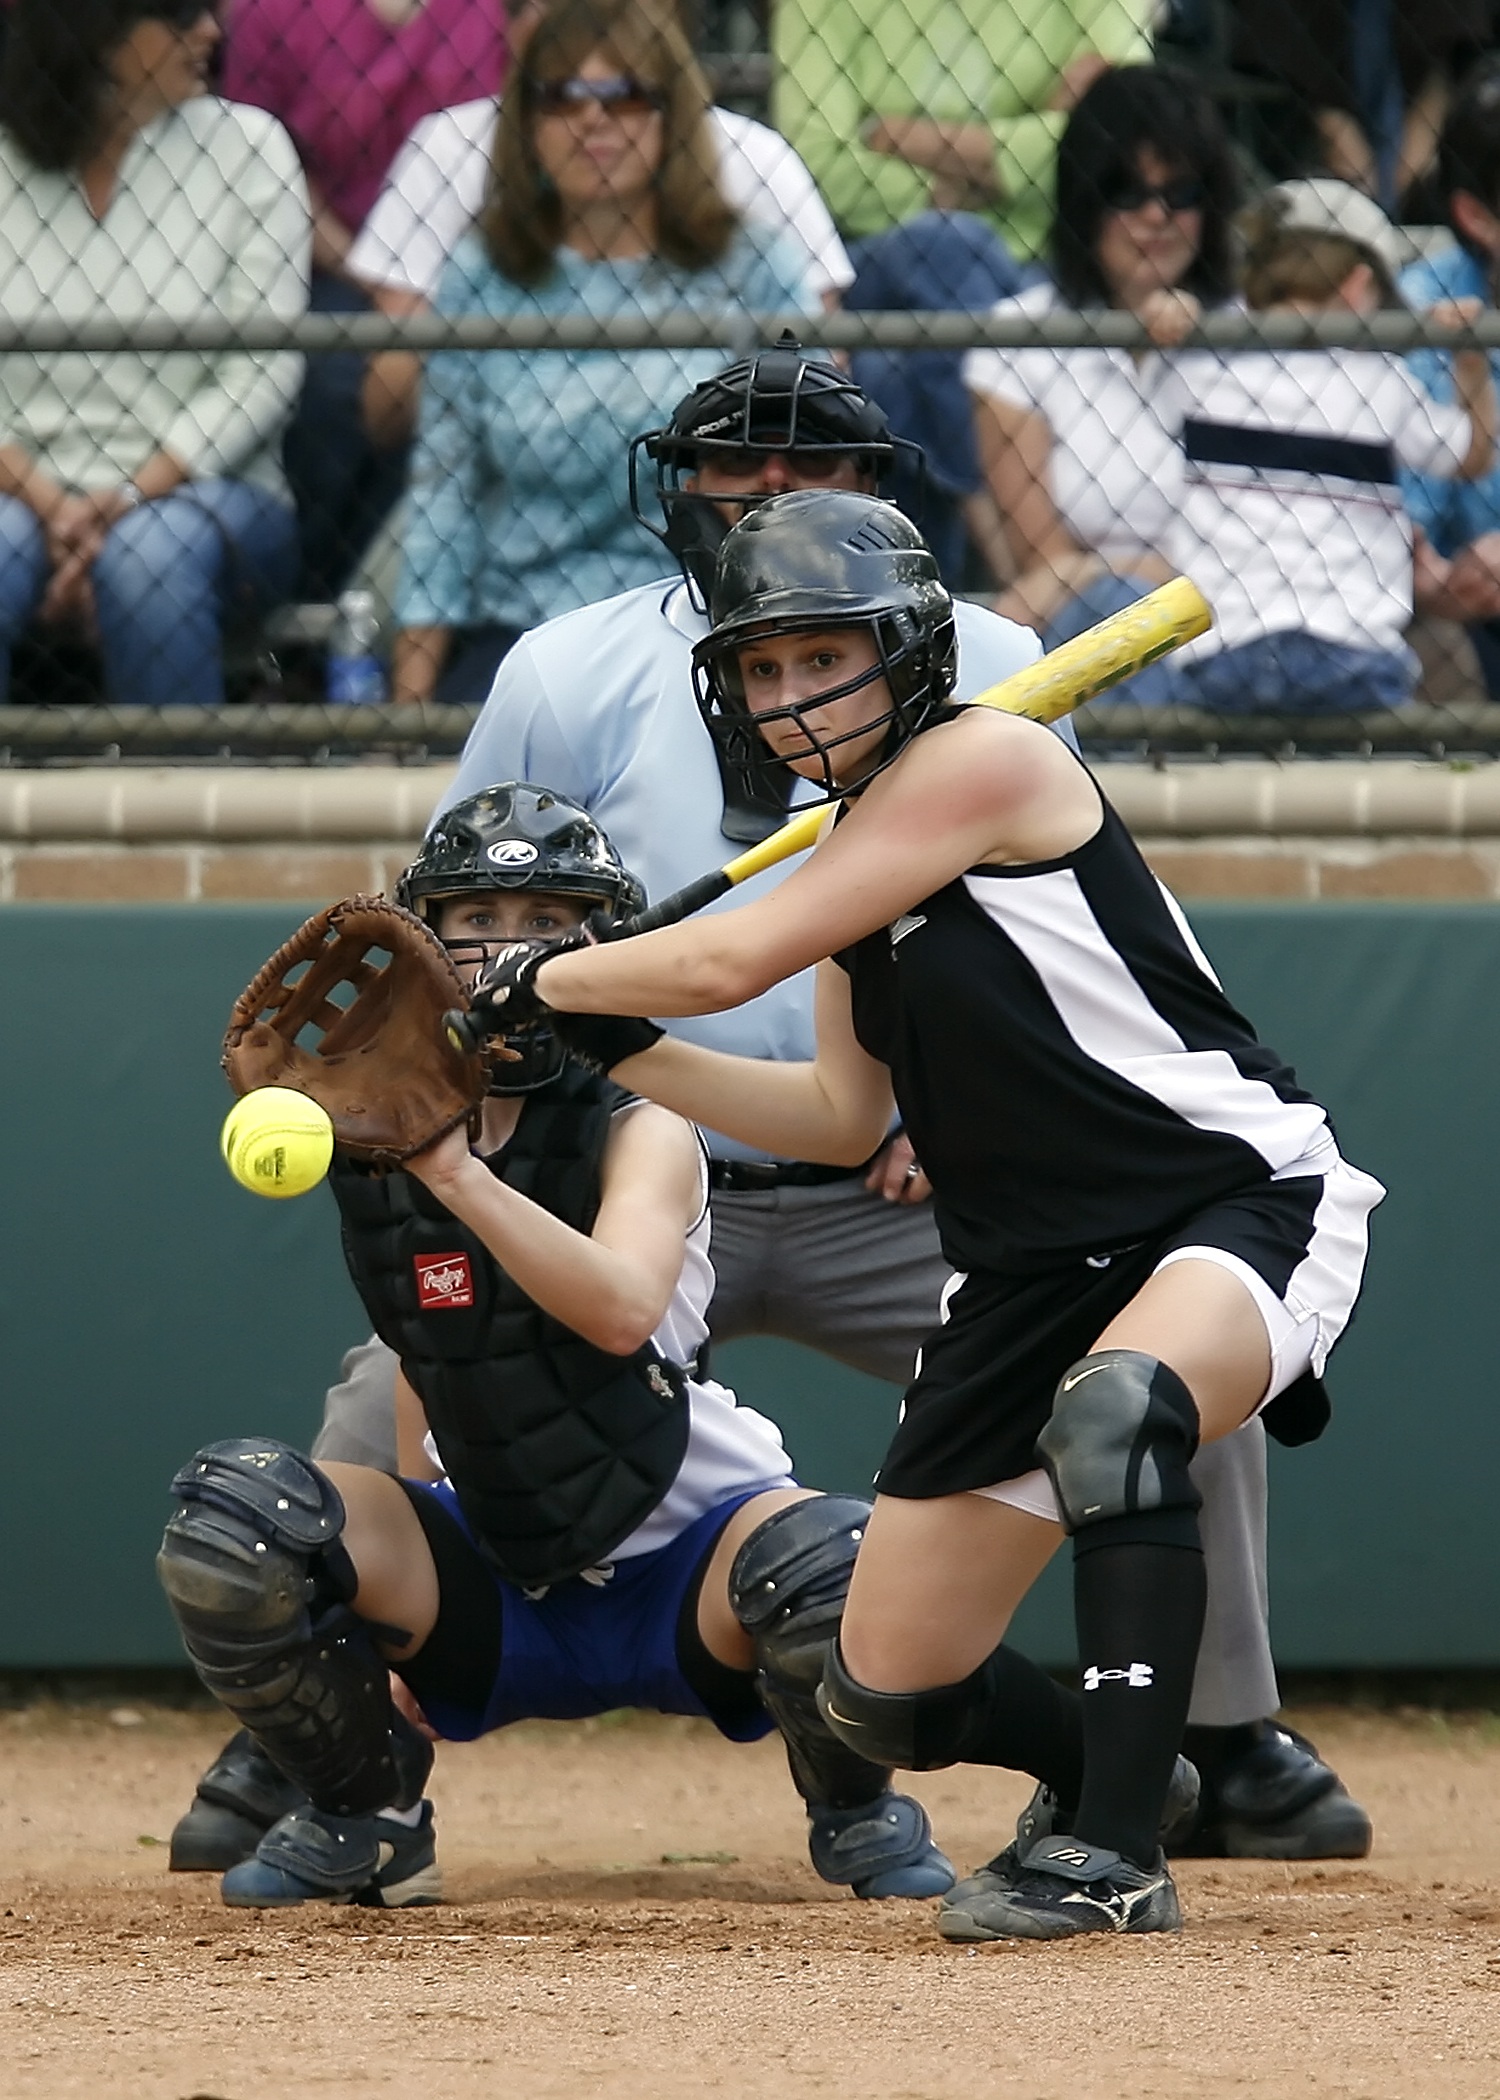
x: 787, y: 1587
x: 919, y: 1731
x: 259, y: 1584
x: 789, y: 1580
x: 1122, y: 1433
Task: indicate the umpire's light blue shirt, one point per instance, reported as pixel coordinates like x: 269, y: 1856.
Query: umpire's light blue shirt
x: 599, y: 705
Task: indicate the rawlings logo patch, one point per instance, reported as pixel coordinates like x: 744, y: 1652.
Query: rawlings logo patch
x: 444, y: 1282
x: 512, y: 853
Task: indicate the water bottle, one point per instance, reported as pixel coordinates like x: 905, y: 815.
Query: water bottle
x: 355, y: 674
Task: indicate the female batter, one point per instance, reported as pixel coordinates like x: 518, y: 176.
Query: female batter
x: 1154, y: 1231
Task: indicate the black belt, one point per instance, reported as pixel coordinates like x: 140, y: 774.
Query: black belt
x: 745, y: 1174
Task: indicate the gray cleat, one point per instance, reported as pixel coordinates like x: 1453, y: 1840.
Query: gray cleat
x: 239, y: 1797
x: 1039, y: 1818
x: 1058, y: 1889
x: 884, y: 1848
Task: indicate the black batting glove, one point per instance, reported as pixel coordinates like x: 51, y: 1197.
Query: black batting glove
x: 599, y: 1042
x: 505, y: 996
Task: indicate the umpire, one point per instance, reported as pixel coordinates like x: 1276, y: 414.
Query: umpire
x: 600, y: 704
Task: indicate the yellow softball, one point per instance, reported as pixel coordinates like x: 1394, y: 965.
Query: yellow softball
x: 277, y: 1142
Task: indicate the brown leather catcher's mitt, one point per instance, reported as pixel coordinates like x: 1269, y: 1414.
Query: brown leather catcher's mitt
x: 350, y: 1011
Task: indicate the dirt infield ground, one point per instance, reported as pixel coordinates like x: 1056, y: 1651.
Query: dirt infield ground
x: 632, y: 1915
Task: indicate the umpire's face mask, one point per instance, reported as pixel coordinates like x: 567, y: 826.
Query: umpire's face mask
x: 473, y: 927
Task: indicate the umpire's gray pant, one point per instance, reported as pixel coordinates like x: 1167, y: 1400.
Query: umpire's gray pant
x: 858, y: 1278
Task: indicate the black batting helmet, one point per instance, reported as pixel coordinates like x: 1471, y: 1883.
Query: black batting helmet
x: 781, y: 400
x: 817, y: 559
x: 517, y: 836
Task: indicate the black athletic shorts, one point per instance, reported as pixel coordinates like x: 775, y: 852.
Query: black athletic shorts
x: 988, y: 1375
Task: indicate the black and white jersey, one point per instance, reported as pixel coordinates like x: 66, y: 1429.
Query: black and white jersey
x: 1066, y: 1063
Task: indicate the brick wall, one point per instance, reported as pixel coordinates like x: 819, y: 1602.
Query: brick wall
x: 83, y: 871
x: 1386, y: 830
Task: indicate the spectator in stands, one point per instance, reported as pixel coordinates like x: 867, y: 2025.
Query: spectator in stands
x: 1292, y: 523
x: 942, y: 105
x: 1458, y: 547
x: 1081, y: 447
x: 348, y: 79
x: 1359, y: 87
x: 606, y: 202
x: 140, y: 493
x: 931, y: 127
x: 437, y: 184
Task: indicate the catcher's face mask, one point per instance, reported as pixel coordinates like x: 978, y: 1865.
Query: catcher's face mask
x: 533, y: 865
x: 473, y: 926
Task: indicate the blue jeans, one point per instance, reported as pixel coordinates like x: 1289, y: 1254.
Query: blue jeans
x: 1290, y: 673
x: 1297, y: 673
x: 165, y: 582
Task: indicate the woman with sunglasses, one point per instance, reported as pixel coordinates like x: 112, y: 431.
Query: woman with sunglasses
x: 604, y: 201
x: 141, y: 496
x: 1081, y: 447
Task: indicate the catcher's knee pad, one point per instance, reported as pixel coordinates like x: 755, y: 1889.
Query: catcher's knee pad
x: 259, y: 1583
x: 787, y: 1588
x: 1118, y: 1444
x: 919, y: 1731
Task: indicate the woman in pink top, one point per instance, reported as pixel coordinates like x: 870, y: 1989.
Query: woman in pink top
x: 348, y: 79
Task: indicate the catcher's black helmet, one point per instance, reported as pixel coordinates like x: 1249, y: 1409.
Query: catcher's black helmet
x: 780, y: 400
x: 816, y: 559
x: 519, y: 837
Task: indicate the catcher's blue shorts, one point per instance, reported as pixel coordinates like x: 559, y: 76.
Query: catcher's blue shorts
x: 498, y: 1655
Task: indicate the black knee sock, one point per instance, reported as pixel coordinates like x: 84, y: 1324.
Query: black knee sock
x: 1028, y: 1723
x: 1140, y: 1614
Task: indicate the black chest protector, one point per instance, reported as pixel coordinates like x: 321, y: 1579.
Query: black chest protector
x: 556, y: 1449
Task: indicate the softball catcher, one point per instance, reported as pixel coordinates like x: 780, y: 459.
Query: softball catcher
x: 587, y: 1519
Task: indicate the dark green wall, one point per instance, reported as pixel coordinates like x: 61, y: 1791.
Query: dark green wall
x: 147, y: 1304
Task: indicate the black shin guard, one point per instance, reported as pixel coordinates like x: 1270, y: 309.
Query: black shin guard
x: 1007, y: 1712
x: 253, y: 1571
x: 787, y: 1588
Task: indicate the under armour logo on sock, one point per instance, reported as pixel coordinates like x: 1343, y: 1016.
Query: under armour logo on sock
x: 1138, y: 1676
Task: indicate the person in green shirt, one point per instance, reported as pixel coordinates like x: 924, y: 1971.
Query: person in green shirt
x: 931, y: 127
x: 903, y: 106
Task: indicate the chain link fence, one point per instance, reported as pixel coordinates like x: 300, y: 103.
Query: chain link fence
x: 327, y: 325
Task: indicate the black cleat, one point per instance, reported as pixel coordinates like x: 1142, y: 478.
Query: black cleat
x: 1274, y: 1798
x: 1056, y: 1890
x: 238, y: 1798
